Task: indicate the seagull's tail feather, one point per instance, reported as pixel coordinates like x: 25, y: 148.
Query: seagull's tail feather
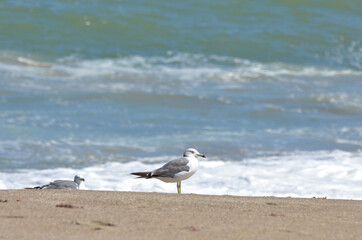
x: 38, y: 187
x: 143, y: 174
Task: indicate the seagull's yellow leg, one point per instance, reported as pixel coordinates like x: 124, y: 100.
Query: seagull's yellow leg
x: 178, y: 187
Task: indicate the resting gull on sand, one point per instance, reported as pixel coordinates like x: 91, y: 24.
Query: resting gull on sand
x: 176, y: 170
x: 63, y: 184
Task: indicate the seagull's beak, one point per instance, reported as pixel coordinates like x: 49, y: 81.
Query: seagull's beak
x: 82, y: 179
x: 201, y: 155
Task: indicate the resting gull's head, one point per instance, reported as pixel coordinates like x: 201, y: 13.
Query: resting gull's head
x: 192, y: 152
x: 79, y: 180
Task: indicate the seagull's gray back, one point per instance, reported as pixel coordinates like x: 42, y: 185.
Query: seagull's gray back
x: 171, y: 168
x: 61, y: 184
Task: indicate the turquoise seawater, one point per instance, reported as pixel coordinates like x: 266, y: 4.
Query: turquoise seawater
x: 88, y: 83
x: 318, y: 33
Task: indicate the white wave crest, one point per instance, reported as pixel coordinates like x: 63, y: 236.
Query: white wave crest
x: 172, y: 66
x: 335, y: 174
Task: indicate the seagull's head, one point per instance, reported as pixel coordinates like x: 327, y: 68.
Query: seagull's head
x: 78, y: 179
x: 192, y: 152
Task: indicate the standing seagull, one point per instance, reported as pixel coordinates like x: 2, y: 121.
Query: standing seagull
x: 63, y: 184
x: 176, y: 170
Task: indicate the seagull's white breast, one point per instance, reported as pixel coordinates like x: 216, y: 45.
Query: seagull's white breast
x: 81, y: 186
x: 193, y: 166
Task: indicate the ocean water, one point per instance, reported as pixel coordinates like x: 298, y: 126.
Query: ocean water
x: 269, y: 91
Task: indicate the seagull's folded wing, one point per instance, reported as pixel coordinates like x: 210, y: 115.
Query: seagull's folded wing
x: 171, y: 168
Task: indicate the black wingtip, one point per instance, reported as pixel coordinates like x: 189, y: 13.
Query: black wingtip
x: 142, y: 174
x: 38, y: 187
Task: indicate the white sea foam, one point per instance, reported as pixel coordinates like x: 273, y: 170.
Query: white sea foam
x: 335, y: 174
x: 192, y: 68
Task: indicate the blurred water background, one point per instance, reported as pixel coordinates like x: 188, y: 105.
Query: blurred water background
x: 270, y: 91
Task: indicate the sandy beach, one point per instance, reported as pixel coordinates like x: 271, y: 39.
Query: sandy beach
x: 59, y: 214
